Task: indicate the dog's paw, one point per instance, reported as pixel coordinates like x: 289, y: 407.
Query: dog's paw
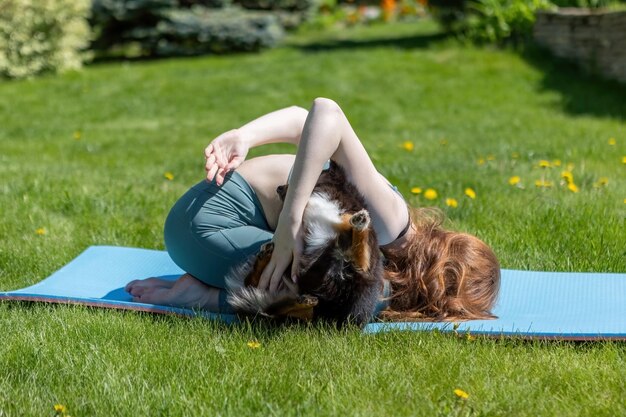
x: 360, y: 220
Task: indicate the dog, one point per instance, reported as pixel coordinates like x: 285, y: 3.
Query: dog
x: 340, y: 274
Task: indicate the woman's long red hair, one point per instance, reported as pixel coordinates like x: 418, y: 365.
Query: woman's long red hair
x: 440, y: 274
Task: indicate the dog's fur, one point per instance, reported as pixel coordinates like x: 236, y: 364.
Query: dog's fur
x: 340, y: 275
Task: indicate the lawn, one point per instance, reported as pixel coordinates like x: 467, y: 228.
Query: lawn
x: 83, y: 157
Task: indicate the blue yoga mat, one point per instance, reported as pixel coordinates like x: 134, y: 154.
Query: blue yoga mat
x: 546, y: 305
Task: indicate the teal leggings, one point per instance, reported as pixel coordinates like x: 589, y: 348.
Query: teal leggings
x: 210, y: 229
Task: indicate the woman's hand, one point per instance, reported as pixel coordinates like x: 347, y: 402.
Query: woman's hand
x: 288, y: 247
x: 225, y: 153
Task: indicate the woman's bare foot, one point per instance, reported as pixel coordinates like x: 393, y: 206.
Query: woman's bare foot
x: 186, y: 292
x: 136, y: 285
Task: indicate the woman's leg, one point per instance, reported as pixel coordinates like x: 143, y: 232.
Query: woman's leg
x: 209, y: 230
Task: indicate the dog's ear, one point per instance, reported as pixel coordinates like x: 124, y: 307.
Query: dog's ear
x: 281, y: 190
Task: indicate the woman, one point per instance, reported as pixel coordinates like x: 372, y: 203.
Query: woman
x: 433, y: 273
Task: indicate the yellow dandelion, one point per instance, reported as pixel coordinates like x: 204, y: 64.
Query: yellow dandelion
x: 612, y: 141
x: 556, y: 162
x: 623, y: 159
x: 169, y: 176
x: 515, y: 155
x: 430, y: 194
x: 567, y: 176
x: 572, y: 187
x: 416, y: 190
x: 470, y: 193
x: 451, y: 202
x: 470, y: 337
x: 60, y: 409
x: 480, y: 161
x: 408, y: 146
x: 625, y: 201
x: 570, y: 167
x: 41, y: 231
x: 544, y: 164
x: 254, y: 345
x: 514, y: 180
x: 491, y: 157
x: 461, y: 394
x: 443, y: 142
x: 77, y: 135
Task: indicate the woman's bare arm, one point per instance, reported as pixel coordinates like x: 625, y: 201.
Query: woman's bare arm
x: 228, y: 150
x: 328, y: 134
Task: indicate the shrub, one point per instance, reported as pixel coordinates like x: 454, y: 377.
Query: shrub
x: 502, y: 20
x: 37, y: 36
x: 169, y: 28
x: 489, y: 20
x: 200, y: 30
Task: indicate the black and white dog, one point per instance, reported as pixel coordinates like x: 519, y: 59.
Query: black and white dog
x: 340, y: 274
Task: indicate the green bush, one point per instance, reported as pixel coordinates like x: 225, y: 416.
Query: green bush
x: 502, y: 20
x: 200, y: 30
x: 173, y: 27
x: 39, y: 36
x: 489, y: 20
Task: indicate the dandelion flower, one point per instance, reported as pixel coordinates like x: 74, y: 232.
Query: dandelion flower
x: 60, y: 409
x: 41, y: 231
x: 556, y: 162
x: 481, y: 161
x: 544, y: 164
x: 515, y: 155
x: 567, y: 176
x: 443, y: 142
x: 570, y: 167
x: 408, y: 146
x: 461, y: 394
x: 470, y: 337
x: 514, y: 180
x: 612, y: 141
x: 451, y: 202
x: 416, y: 190
x: 77, y: 135
x: 470, y: 193
x: 254, y: 345
x: 623, y: 159
x: 169, y: 176
x: 572, y: 187
x: 430, y: 194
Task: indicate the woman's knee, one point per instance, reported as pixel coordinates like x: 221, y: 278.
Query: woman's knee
x: 325, y: 105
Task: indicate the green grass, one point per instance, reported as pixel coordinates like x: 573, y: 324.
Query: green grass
x: 396, y: 83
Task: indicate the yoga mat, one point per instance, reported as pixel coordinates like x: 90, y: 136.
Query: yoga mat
x: 544, y: 305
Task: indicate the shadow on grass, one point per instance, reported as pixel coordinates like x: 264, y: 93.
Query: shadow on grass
x: 405, y: 42
x: 583, y: 92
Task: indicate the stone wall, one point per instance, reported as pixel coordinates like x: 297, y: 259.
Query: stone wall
x: 596, y: 40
